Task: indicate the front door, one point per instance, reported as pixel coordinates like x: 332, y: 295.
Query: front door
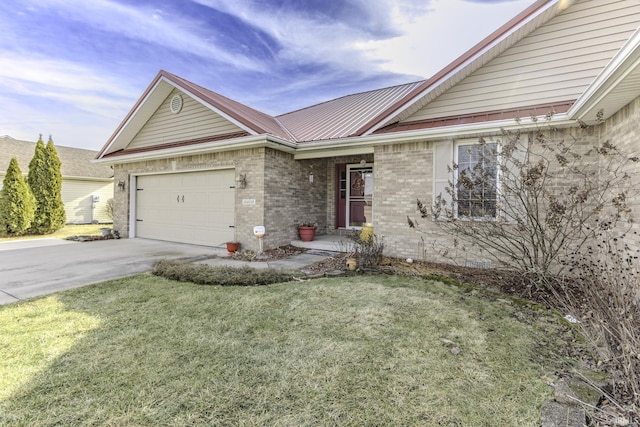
x: 354, y: 195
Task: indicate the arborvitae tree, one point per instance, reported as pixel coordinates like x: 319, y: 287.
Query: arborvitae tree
x: 17, y: 204
x: 57, y: 215
x: 45, y: 180
x: 37, y: 180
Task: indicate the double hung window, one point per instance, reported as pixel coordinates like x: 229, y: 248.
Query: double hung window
x: 476, y: 180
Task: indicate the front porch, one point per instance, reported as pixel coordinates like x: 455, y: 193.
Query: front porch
x: 326, y: 242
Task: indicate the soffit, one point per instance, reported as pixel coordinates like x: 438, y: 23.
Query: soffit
x: 616, y: 86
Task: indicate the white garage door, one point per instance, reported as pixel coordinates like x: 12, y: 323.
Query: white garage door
x: 192, y: 207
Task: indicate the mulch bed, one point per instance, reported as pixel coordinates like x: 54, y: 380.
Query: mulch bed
x: 90, y: 238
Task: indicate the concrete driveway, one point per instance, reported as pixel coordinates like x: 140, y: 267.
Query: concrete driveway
x: 30, y: 268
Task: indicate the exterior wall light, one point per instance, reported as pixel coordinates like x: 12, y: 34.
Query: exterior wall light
x: 121, y: 185
x: 241, y: 181
x: 310, y: 177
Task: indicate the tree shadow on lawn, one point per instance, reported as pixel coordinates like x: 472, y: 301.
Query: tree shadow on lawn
x: 346, y: 351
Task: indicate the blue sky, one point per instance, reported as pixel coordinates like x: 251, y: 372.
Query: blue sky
x: 74, y: 68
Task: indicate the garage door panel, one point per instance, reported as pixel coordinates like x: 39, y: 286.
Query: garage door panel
x: 193, y: 207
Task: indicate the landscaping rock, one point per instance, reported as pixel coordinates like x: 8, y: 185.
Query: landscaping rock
x: 574, y: 391
x: 556, y: 414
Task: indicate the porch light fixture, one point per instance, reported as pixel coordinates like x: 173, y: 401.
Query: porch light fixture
x: 363, y: 162
x: 310, y: 177
x: 241, y: 181
x: 121, y: 185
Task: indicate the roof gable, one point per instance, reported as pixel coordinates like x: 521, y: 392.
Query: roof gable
x: 497, y: 42
x: 247, y: 119
x: 554, y: 65
x: 192, y: 120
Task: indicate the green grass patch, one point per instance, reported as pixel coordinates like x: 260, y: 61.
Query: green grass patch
x: 67, y: 231
x: 365, y: 350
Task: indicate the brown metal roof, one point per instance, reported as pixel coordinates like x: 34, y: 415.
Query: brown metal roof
x: 76, y: 162
x: 343, y: 116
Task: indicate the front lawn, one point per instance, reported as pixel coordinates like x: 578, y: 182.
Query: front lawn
x: 66, y: 231
x: 366, y: 350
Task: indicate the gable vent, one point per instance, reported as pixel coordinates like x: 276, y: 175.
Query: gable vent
x: 176, y: 104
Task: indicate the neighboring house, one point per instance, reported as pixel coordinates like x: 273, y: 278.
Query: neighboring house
x: 86, y: 187
x: 197, y: 167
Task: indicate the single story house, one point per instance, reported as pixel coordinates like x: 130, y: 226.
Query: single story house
x: 194, y: 166
x: 86, y: 186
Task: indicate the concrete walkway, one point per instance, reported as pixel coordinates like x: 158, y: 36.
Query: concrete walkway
x: 30, y: 268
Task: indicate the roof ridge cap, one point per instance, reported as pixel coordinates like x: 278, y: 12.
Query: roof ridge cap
x: 285, y: 129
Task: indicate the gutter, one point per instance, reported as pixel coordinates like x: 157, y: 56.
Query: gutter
x: 366, y: 144
x: 251, y: 141
x: 344, y: 146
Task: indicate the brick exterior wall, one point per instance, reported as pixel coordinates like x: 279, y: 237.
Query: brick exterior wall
x: 277, y: 183
x: 290, y: 198
x: 623, y: 131
x: 403, y: 173
x: 284, y: 197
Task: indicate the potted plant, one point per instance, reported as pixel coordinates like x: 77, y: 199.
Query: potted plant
x: 307, y: 231
x: 233, y: 245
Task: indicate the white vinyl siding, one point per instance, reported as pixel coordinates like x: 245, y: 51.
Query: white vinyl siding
x: 555, y: 63
x: 77, y: 196
x: 442, y: 163
x: 192, y: 122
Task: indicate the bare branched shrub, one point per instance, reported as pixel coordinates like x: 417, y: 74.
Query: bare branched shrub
x: 602, y: 288
x: 368, y: 250
x: 562, y: 217
x: 535, y: 198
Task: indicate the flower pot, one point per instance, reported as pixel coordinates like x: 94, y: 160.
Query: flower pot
x: 232, y: 247
x: 307, y: 233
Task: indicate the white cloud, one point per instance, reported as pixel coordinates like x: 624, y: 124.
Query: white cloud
x: 150, y: 25
x: 65, y: 83
x: 305, y: 38
x: 432, y: 40
x: 426, y: 36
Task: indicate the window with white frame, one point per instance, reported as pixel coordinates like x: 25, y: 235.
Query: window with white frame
x: 476, y: 180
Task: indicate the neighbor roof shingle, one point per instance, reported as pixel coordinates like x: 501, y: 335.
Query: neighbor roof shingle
x: 76, y: 162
